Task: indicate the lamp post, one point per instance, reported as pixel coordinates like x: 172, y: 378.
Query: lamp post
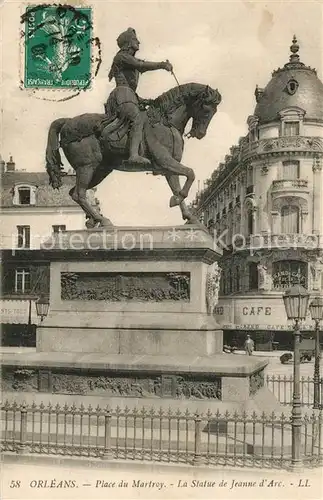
x: 316, y: 309
x: 296, y: 304
x: 42, y: 306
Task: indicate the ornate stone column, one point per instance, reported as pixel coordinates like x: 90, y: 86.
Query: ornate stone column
x: 316, y: 268
x: 262, y: 218
x: 304, y: 216
x: 254, y: 220
x: 275, y: 222
x: 317, y: 196
x: 264, y: 278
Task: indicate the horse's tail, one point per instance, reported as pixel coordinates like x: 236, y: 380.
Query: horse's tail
x: 53, y: 157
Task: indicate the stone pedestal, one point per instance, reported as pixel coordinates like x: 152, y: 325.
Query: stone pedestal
x: 131, y: 317
x: 137, y: 291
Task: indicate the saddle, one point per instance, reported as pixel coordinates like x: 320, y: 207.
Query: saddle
x: 114, y: 131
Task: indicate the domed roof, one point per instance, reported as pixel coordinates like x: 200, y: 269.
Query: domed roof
x: 294, y: 85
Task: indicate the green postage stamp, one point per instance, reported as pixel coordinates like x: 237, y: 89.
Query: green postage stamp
x: 58, y: 43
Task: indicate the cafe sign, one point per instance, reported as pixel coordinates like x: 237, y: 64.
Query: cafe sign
x: 254, y: 313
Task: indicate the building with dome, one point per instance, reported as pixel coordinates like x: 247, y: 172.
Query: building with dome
x: 264, y: 204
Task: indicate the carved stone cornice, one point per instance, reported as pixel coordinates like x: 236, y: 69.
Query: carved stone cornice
x: 283, y: 145
x: 310, y: 246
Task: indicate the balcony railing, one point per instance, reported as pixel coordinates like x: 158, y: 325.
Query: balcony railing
x: 290, y: 184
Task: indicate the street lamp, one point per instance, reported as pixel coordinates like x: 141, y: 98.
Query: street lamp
x: 296, y: 304
x: 316, y: 309
x: 42, y: 306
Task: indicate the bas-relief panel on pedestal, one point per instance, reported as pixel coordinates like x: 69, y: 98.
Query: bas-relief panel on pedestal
x: 116, y: 287
x: 112, y: 384
x: 154, y: 386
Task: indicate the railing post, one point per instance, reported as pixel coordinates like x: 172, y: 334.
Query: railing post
x: 316, y: 404
x: 197, y: 460
x: 107, y: 452
x: 23, y: 428
x: 296, y: 409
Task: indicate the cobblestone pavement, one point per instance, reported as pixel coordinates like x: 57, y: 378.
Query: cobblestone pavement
x: 275, y: 367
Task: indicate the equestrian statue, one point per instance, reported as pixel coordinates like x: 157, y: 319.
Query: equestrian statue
x: 133, y: 135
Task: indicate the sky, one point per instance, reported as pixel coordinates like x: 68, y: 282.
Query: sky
x: 231, y: 46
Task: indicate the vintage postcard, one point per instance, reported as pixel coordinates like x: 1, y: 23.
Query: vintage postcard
x: 161, y: 249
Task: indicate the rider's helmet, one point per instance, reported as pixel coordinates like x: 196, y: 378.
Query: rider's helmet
x: 125, y: 38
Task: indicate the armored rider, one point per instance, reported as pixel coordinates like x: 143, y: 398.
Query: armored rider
x: 123, y: 100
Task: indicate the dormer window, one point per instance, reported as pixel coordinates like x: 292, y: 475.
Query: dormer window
x: 291, y: 128
x: 252, y: 122
x: 291, y: 121
x: 24, y: 195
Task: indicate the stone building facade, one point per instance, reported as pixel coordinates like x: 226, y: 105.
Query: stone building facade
x: 31, y: 211
x: 264, y: 204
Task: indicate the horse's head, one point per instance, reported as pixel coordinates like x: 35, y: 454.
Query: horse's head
x: 202, y: 109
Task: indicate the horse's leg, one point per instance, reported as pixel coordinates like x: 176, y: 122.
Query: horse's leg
x: 174, y: 184
x: 190, y: 177
x: 85, y: 157
x: 175, y: 167
x: 172, y: 166
x: 165, y: 150
x: 99, y: 175
x: 84, y: 175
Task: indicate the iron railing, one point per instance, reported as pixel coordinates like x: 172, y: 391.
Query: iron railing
x: 282, y: 387
x: 289, y: 184
x: 158, y: 435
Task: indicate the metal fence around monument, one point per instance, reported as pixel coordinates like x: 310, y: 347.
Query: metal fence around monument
x: 262, y: 440
x: 282, y: 388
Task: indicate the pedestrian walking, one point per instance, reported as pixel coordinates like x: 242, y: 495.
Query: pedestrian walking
x: 249, y: 345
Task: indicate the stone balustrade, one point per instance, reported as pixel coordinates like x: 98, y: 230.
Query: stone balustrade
x: 290, y: 185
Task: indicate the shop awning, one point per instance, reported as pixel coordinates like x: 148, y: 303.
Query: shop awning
x: 17, y: 311
x: 285, y: 327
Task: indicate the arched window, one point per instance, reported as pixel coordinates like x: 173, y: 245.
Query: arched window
x: 222, y: 282
x: 237, y: 279
x: 290, y: 170
x: 290, y: 217
x: 250, y: 220
x: 287, y: 273
x: 230, y: 280
x: 253, y: 276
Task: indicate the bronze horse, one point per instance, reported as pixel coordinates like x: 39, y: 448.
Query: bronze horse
x: 94, y: 150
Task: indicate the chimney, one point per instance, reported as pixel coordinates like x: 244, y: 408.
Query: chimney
x: 11, y: 165
x: 2, y: 165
